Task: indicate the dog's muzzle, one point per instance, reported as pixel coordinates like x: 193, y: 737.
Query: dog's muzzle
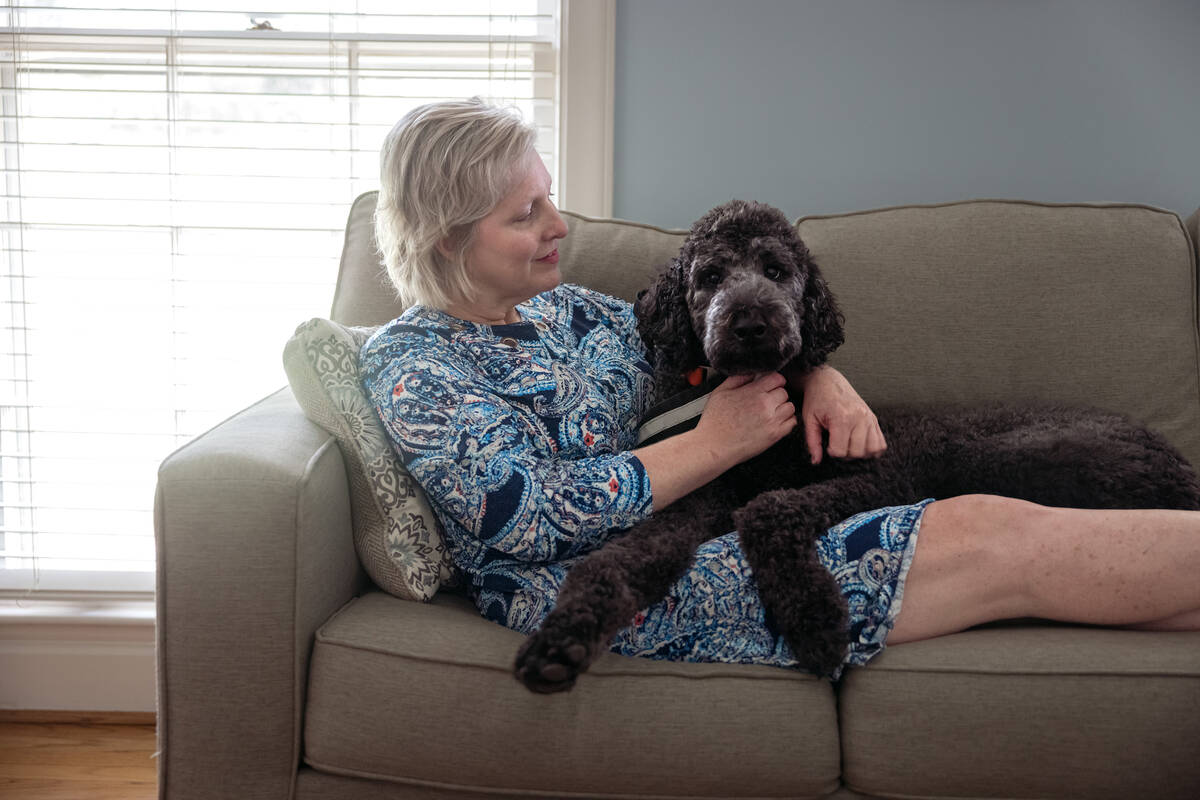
x: 751, y: 339
x: 749, y: 326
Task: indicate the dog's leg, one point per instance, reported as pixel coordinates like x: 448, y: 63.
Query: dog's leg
x: 779, y: 531
x: 603, y: 592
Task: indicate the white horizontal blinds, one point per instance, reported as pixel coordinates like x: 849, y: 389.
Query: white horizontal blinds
x: 176, y: 181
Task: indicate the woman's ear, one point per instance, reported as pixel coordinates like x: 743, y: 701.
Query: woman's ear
x: 452, y: 244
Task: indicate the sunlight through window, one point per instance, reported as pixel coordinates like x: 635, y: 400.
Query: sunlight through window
x: 177, y: 180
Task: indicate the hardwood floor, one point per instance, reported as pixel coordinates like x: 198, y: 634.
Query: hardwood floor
x: 55, y: 756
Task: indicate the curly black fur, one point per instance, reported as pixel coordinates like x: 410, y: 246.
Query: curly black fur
x: 744, y: 295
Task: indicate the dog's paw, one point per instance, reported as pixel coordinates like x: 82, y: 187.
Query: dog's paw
x: 548, y: 662
x: 822, y: 652
x: 817, y: 623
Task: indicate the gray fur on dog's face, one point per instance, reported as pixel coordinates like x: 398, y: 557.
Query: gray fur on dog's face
x: 744, y: 305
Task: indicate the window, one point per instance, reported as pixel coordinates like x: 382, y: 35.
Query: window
x: 176, y: 183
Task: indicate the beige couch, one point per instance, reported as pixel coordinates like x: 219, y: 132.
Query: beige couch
x: 283, y: 671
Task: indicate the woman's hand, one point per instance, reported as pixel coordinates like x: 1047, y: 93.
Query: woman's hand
x: 746, y: 415
x: 743, y: 417
x: 831, y: 404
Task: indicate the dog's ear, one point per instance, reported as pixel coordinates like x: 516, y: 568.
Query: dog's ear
x: 663, y: 322
x: 821, y: 328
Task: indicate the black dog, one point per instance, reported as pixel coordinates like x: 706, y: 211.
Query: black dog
x: 744, y: 296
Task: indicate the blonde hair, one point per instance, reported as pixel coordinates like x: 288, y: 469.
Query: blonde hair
x: 443, y: 167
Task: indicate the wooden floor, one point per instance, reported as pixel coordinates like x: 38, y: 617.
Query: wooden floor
x: 53, y: 756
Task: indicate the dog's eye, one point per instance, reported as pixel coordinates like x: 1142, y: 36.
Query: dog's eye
x: 709, y: 279
x: 772, y: 272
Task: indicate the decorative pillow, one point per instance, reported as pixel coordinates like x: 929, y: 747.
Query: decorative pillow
x: 396, y: 534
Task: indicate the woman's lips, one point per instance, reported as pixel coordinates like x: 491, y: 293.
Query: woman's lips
x: 551, y: 258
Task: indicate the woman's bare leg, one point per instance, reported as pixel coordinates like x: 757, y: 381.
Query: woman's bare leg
x: 981, y: 558
x: 1187, y: 621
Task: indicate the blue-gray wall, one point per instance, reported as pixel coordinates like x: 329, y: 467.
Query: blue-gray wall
x: 832, y: 105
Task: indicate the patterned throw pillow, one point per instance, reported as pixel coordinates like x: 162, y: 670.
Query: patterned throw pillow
x: 396, y: 535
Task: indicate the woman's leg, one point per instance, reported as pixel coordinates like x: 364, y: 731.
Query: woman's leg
x: 982, y: 558
x: 1187, y: 621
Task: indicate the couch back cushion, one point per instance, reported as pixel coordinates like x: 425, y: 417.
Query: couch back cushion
x: 364, y: 295
x: 992, y: 300
x: 615, y: 257
x: 963, y: 302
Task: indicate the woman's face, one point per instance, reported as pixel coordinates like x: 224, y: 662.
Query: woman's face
x: 515, y: 252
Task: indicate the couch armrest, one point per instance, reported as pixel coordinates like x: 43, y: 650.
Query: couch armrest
x: 252, y: 525
x: 1192, y: 224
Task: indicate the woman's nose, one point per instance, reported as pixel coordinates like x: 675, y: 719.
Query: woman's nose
x: 558, y: 226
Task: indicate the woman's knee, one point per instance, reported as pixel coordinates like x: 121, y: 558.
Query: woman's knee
x: 999, y: 537
x: 990, y: 511
x: 1004, y: 524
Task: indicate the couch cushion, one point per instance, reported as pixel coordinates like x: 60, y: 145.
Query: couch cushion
x: 424, y: 694
x: 1027, y: 711
x: 312, y: 784
x: 1192, y: 223
x: 612, y: 256
x: 364, y: 294
x: 986, y: 300
x: 396, y: 534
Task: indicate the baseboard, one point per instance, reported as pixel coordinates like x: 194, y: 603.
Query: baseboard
x: 85, y: 659
x: 47, y: 717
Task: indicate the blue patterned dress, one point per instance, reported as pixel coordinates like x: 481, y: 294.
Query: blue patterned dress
x: 522, y: 437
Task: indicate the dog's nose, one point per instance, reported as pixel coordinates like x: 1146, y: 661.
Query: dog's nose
x: 749, y: 325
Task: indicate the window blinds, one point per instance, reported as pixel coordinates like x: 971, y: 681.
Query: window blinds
x: 176, y: 181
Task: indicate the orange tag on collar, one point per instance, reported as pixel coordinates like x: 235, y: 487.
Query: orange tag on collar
x: 695, y: 377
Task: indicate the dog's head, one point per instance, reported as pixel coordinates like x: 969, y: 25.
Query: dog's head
x: 743, y: 296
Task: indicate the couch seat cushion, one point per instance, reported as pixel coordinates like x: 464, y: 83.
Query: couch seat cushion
x: 393, y: 695
x: 1027, y: 711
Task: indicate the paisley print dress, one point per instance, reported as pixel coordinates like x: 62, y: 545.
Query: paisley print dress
x: 522, y: 436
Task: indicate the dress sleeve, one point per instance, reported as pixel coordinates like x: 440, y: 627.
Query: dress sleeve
x: 490, y: 471
x: 618, y: 312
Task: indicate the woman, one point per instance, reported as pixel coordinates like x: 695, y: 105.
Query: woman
x: 514, y: 401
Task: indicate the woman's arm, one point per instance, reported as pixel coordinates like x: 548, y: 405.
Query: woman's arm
x: 493, y: 473
x: 831, y: 404
x: 743, y: 418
